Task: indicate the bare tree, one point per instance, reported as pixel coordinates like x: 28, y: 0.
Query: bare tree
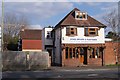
x: 112, y: 20
x: 12, y: 25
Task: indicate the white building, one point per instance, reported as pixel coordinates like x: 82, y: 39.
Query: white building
x: 76, y: 40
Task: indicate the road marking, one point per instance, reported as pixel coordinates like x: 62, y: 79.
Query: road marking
x: 92, y: 74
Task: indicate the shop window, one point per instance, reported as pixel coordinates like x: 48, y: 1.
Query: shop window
x: 92, y: 55
x: 97, y: 53
x: 71, y: 31
x: 66, y: 52
x: 91, y: 31
x: 72, y: 53
x: 77, y: 53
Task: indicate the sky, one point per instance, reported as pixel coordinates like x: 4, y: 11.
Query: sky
x: 46, y: 13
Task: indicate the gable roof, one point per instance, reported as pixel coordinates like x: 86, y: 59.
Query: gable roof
x: 31, y: 34
x: 69, y: 20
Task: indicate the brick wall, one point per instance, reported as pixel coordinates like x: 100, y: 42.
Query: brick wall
x: 110, y: 54
x: 95, y: 62
x: 32, y: 44
x: 71, y: 62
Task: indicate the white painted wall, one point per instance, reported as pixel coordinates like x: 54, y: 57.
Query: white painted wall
x: 44, y: 37
x: 81, y: 39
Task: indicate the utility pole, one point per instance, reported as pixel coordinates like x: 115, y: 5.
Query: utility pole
x: 2, y: 27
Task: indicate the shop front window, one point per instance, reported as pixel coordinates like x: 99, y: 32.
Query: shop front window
x: 71, y: 53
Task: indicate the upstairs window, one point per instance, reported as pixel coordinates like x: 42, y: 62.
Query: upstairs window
x: 91, y: 31
x: 71, y: 31
x: 80, y: 15
x: 48, y: 34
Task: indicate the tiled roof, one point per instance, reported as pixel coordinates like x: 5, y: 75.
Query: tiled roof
x: 70, y: 20
x: 31, y: 34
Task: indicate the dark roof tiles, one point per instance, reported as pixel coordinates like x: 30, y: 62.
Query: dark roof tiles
x: 70, y: 20
x: 31, y: 34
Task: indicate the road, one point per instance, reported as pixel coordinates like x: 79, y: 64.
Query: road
x: 64, y: 73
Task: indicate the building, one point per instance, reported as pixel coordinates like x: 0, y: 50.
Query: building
x: 47, y: 41
x: 31, y: 39
x: 79, y: 40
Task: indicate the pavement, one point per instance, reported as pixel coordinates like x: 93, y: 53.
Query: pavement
x: 66, y: 72
x: 84, y: 68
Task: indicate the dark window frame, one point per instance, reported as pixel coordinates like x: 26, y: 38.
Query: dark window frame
x: 71, y: 31
x: 91, y: 31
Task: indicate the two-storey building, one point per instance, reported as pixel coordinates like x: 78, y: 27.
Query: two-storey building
x: 79, y: 39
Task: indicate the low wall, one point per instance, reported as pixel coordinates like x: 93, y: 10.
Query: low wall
x: 95, y: 62
x: 71, y: 62
x: 19, y: 60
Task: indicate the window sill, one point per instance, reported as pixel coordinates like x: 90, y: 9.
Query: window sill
x: 91, y: 35
x: 71, y: 35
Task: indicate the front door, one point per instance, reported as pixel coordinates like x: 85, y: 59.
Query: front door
x: 83, y: 55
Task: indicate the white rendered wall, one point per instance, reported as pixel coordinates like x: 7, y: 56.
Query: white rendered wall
x: 48, y: 41
x: 44, y: 37
x: 81, y: 39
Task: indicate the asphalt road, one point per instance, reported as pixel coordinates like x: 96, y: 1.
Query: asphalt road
x: 64, y: 73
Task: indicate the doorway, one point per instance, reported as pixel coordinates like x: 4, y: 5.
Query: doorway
x: 50, y: 51
x: 85, y: 56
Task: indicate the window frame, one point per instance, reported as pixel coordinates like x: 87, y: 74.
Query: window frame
x: 80, y: 15
x: 87, y: 32
x: 71, y: 52
x: 69, y: 31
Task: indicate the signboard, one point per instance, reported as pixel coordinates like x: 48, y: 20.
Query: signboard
x: 83, y: 40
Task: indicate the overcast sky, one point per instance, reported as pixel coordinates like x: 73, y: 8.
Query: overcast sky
x: 50, y: 13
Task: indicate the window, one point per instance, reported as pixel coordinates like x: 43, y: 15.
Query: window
x: 71, y: 31
x: 80, y: 15
x: 95, y: 53
x: 91, y: 31
x: 66, y: 52
x: 71, y: 53
x: 48, y: 34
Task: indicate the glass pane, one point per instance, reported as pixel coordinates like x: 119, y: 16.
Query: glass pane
x: 74, y: 52
x: 70, y: 50
x: 72, y: 32
x: 66, y: 52
x: 93, y: 33
x: 72, y: 28
x: 84, y: 16
x: 92, y: 29
x: 86, y: 31
x: 67, y: 30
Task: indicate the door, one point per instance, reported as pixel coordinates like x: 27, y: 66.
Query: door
x: 83, y: 55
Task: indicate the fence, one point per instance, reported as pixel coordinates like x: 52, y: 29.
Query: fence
x: 18, y: 60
